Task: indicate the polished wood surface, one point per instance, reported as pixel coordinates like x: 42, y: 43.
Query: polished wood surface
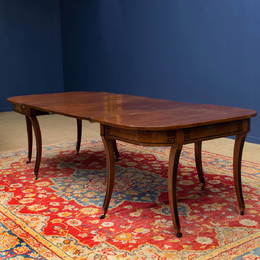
x: 143, y: 121
x: 172, y: 180
x: 109, y: 146
x: 132, y: 112
x: 79, y: 134
x: 198, y: 160
x: 30, y: 137
x: 38, y: 140
x: 237, y: 158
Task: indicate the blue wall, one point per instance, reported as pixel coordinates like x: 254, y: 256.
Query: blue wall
x: 30, y: 48
x: 201, y: 51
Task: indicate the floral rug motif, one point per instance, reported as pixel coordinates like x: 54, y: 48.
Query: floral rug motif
x: 57, y: 216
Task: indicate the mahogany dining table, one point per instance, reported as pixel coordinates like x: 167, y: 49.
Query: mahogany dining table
x: 142, y: 121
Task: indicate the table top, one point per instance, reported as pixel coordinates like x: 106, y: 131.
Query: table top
x: 133, y: 112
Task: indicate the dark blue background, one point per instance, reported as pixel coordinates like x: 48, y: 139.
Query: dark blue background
x: 30, y: 48
x: 198, y: 51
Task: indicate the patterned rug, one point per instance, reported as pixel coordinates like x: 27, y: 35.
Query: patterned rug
x: 57, y: 216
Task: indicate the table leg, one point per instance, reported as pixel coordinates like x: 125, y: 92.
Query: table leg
x: 115, y: 150
x: 110, y: 158
x: 198, y: 160
x: 237, y: 158
x: 38, y: 139
x: 30, y: 138
x: 172, y: 178
x: 79, y: 134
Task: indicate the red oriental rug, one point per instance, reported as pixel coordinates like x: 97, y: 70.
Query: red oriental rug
x: 57, y: 216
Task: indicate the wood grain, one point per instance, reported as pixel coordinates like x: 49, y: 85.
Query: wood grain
x: 38, y: 140
x: 132, y: 112
x: 237, y: 158
x: 79, y: 134
x: 198, y: 160
x: 29, y: 137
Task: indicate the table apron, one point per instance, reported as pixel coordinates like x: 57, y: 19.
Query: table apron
x: 27, y: 111
x: 169, y: 137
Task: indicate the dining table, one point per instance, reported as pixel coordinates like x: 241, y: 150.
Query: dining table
x: 142, y: 121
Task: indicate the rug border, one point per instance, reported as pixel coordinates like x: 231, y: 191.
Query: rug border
x: 47, y: 244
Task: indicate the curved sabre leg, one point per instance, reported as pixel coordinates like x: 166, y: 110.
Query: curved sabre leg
x: 110, y: 157
x: 237, y: 158
x: 115, y: 150
x: 198, y: 160
x: 172, y: 178
x: 30, y: 138
x: 38, y: 139
x: 79, y: 134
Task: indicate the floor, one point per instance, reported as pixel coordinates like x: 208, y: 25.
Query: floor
x: 59, y: 129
